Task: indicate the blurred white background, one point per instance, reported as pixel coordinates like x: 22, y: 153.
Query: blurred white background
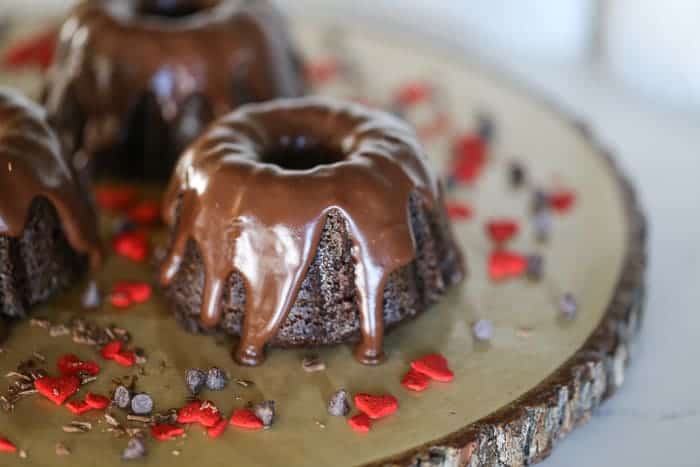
x: 631, y: 68
x: 653, y: 46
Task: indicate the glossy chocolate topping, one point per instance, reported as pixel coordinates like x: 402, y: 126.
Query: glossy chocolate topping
x: 31, y: 166
x: 253, y: 192
x: 186, y: 60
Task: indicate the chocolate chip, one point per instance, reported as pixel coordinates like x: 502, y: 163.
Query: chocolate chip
x: 265, y: 411
x: 121, y: 397
x: 339, y: 405
x: 142, y: 404
x: 568, y: 306
x: 516, y: 174
x: 135, y: 449
x: 216, y: 379
x: 91, y: 297
x: 483, y: 330
x: 195, y: 379
x: 535, y: 267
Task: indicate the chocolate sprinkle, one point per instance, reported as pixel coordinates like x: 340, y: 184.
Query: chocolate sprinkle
x: 516, y: 174
x: 339, y: 405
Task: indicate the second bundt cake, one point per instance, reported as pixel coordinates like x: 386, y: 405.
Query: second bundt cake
x: 135, y: 81
x: 48, y: 232
x: 304, y: 222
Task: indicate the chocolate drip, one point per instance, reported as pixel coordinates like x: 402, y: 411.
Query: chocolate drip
x: 114, y: 54
x: 31, y: 166
x: 254, y: 191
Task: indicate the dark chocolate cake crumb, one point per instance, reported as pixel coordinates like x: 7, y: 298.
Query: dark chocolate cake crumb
x: 195, y: 379
x: 142, y: 404
x: 339, y: 405
x: 135, y: 449
x: 568, y: 306
x: 312, y: 364
x: 121, y: 397
x: 216, y: 379
x: 91, y: 297
x: 535, y: 267
x: 265, y: 411
x: 62, y: 450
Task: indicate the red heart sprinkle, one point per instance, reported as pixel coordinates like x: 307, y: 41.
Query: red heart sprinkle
x: 131, y: 245
x: 562, y: 201
x: 469, y: 158
x: 37, y: 50
x: 360, y: 423
x: 115, y: 198
x: 434, y: 366
x: 415, y: 381
x: 246, y: 419
x: 136, y: 292
x: 203, y: 412
x: 111, y: 349
x: 145, y: 213
x: 120, y: 300
x: 217, y: 430
x: 7, y: 446
x: 504, y: 265
x: 165, y: 431
x: 458, y: 211
x: 502, y: 230
x: 96, y: 401
x: 376, y: 407
x: 78, y: 407
x: 57, y: 390
x: 411, y: 94
x: 71, y: 365
x: 189, y: 413
x: 126, y: 359
x: 322, y: 71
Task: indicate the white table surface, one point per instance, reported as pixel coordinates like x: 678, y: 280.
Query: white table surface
x: 655, y: 419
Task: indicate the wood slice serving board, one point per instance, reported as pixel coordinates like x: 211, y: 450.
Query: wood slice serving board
x: 512, y: 398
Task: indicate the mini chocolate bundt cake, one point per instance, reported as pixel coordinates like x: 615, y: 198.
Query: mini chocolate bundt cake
x: 48, y: 231
x: 303, y: 222
x: 135, y: 81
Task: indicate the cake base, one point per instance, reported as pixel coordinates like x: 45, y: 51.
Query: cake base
x: 512, y: 398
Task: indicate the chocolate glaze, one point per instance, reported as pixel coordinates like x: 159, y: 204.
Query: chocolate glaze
x: 146, y: 76
x: 254, y: 191
x: 32, y: 166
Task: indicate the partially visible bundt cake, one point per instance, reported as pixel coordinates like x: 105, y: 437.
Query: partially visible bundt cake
x: 303, y: 222
x: 136, y: 80
x: 48, y: 231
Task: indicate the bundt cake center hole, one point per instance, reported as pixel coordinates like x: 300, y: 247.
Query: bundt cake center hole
x: 301, y: 153
x: 173, y: 8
